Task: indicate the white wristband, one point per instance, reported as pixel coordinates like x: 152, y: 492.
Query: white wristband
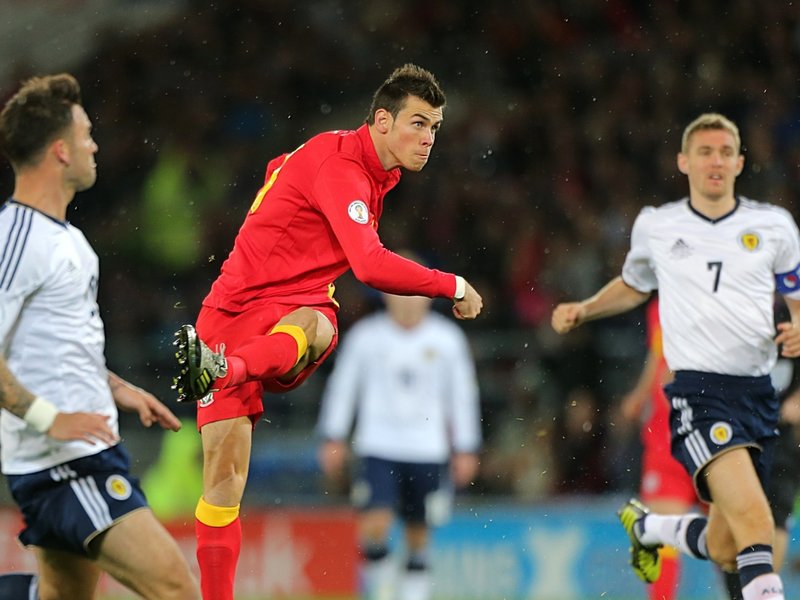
x: 41, y: 414
x: 461, y: 288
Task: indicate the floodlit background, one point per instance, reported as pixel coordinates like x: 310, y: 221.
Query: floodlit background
x: 563, y: 120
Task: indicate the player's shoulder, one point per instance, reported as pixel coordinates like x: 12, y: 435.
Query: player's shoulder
x: 662, y: 214
x: 668, y: 208
x: 445, y: 327
x: 29, y: 230
x: 764, y: 210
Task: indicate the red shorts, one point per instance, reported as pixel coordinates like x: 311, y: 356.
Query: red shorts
x: 216, y: 326
x: 664, y: 478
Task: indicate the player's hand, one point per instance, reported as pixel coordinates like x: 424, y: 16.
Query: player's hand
x: 568, y: 316
x: 470, y: 305
x: 333, y: 455
x: 789, y: 339
x: 632, y: 405
x: 134, y: 399
x: 87, y: 427
x: 463, y: 468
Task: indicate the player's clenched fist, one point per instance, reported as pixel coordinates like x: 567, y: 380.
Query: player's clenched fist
x: 568, y: 316
x: 470, y: 305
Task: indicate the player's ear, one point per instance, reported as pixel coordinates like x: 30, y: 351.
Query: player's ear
x: 60, y: 150
x: 683, y: 163
x: 383, y: 120
x: 739, y: 164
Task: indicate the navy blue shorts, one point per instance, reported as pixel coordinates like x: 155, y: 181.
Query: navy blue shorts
x: 67, y: 506
x: 417, y: 492
x: 714, y: 413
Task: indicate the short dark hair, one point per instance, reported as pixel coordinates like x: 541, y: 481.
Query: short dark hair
x: 36, y: 115
x: 405, y: 81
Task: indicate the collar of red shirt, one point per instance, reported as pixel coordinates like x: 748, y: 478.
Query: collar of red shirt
x: 371, y: 160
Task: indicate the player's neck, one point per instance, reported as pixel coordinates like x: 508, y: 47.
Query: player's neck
x: 712, y: 208
x: 41, y: 192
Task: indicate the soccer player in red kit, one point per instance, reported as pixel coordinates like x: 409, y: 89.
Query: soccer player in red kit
x: 270, y: 316
x: 665, y: 485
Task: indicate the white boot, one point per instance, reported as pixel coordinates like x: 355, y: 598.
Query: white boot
x: 415, y: 585
x: 378, y: 579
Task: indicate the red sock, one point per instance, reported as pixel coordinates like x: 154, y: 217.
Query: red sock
x: 261, y: 357
x: 217, y: 554
x: 666, y: 588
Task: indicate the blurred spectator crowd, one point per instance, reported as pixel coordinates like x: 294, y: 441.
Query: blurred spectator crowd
x: 563, y: 120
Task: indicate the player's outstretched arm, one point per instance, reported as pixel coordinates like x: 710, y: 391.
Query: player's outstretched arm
x: 614, y: 298
x: 130, y: 398
x: 470, y: 305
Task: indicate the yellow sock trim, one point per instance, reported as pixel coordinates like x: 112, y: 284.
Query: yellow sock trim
x: 297, y: 333
x: 668, y: 552
x: 215, y: 516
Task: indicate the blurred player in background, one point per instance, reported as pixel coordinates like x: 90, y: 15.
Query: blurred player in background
x: 407, y: 378
x: 271, y: 316
x: 665, y: 485
x: 67, y: 471
x: 716, y: 260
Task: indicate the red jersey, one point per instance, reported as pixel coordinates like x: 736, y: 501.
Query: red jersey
x: 315, y: 217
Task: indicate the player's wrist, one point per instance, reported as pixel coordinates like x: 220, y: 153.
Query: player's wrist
x: 41, y: 415
x: 461, y: 288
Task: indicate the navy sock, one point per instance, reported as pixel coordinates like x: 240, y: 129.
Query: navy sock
x: 753, y: 561
x: 374, y: 552
x: 417, y: 561
x: 695, y: 538
x: 24, y: 586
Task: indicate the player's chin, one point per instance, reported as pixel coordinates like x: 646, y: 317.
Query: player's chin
x: 416, y: 164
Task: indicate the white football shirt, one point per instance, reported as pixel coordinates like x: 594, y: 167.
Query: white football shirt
x: 415, y: 391
x: 51, y: 332
x: 716, y: 281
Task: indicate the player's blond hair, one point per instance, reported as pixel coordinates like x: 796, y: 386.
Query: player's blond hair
x: 710, y: 121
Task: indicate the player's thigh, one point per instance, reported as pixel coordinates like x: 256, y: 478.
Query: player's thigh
x: 319, y: 332
x: 65, y: 576
x: 141, y: 554
x: 226, y: 459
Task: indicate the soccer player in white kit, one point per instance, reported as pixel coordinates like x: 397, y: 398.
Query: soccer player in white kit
x: 716, y: 260
x: 61, y: 455
x: 409, y: 375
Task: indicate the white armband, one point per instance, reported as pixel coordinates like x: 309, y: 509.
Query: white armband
x: 461, y: 288
x: 41, y: 414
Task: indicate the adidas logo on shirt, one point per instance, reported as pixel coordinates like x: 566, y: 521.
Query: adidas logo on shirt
x: 680, y: 249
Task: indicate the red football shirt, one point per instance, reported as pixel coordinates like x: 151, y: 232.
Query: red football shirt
x: 316, y: 216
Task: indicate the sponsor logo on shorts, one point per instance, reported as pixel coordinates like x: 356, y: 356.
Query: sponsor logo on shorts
x: 206, y: 400
x: 118, y: 487
x: 721, y: 433
x: 358, y: 211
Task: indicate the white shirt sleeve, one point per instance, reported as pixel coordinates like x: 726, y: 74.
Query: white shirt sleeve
x: 638, y: 271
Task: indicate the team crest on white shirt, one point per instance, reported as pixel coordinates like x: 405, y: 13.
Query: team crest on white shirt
x: 750, y: 241
x: 721, y: 433
x: 358, y: 211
